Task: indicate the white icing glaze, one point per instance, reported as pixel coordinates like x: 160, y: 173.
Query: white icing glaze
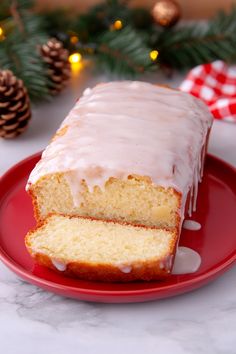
x: 125, y: 268
x: 191, y: 225
x: 122, y: 128
x: 186, y: 261
x: 59, y: 265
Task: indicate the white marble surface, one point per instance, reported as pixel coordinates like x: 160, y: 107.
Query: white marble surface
x: 33, y: 321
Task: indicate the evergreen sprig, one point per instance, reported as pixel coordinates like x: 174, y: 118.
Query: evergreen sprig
x: 123, y: 52
x: 179, y: 48
x: 19, y: 50
x: 192, y: 45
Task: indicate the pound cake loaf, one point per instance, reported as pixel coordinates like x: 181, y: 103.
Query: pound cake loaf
x: 112, y: 188
x: 128, y: 152
x: 102, y: 250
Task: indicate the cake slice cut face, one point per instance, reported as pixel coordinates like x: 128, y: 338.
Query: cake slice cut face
x: 128, y: 152
x: 102, y: 250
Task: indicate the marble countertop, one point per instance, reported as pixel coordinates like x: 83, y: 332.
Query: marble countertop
x: 33, y: 321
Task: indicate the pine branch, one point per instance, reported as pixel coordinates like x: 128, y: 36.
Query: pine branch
x: 192, y: 45
x: 26, y: 64
x: 97, y: 20
x: 18, y: 52
x: 5, y: 7
x: 123, y: 52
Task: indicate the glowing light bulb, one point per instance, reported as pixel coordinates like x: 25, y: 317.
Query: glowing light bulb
x: 153, y: 55
x: 2, y: 37
x: 117, y: 25
x: 76, y: 64
x: 74, y: 39
x: 75, y: 58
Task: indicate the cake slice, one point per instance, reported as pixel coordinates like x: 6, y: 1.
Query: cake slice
x: 102, y: 250
x: 128, y: 151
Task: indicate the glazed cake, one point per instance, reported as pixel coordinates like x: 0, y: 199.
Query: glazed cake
x: 128, y: 152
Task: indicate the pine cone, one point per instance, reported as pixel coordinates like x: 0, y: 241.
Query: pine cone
x: 56, y: 58
x: 15, y: 109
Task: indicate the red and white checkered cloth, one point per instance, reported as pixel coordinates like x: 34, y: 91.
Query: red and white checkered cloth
x: 215, y: 84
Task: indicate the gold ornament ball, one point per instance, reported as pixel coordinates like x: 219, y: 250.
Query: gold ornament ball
x: 166, y: 12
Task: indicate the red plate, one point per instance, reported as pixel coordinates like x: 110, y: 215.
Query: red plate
x: 216, y: 241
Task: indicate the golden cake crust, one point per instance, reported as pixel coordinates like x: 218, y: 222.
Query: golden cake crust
x: 106, y: 273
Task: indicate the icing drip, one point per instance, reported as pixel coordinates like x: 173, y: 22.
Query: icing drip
x: 122, y: 128
x: 59, y: 265
x: 202, y: 159
x: 125, y: 269
x: 190, y: 207
x: 198, y: 172
x: 197, y: 179
x: 191, y: 225
x: 186, y: 261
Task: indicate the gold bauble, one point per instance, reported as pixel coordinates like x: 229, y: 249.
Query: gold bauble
x: 166, y: 12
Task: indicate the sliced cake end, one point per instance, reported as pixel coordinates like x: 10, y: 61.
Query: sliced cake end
x: 102, y: 250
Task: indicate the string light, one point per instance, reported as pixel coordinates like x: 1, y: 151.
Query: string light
x: 2, y: 37
x: 117, y: 25
x: 153, y: 55
x: 75, y: 58
x: 76, y: 64
x: 74, y: 39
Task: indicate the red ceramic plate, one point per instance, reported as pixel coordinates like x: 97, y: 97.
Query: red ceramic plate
x: 216, y: 241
